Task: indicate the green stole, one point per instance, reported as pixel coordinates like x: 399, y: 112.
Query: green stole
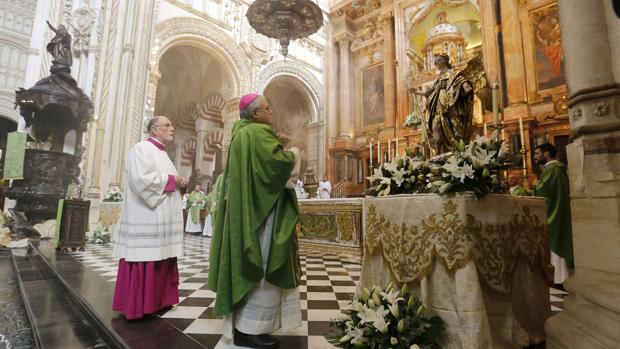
x: 554, y: 187
x: 257, y: 170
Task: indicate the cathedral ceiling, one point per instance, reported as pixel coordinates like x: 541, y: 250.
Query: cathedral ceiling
x: 188, y: 75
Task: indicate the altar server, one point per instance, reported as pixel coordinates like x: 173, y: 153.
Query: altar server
x: 324, y: 190
x: 554, y: 187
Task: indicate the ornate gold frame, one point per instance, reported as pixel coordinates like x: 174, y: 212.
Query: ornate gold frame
x: 529, y: 52
x: 361, y: 96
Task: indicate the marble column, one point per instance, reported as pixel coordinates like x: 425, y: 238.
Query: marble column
x: 345, y: 129
x: 591, y: 316
x: 389, y: 69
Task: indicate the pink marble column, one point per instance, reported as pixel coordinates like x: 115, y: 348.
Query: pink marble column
x: 389, y: 68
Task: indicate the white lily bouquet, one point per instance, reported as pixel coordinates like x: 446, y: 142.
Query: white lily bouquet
x: 413, y: 120
x: 388, y: 318
x: 99, y: 237
x: 113, y: 195
x: 470, y: 167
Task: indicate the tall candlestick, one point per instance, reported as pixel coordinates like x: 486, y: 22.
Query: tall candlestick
x: 495, y: 104
x: 484, y: 130
x: 370, y: 153
x: 396, y: 146
x: 378, y: 153
x: 389, y: 150
x: 522, y: 134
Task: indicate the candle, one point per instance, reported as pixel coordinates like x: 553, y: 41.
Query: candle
x: 396, y: 146
x: 370, y: 153
x: 522, y: 134
x: 389, y: 150
x: 378, y: 153
x: 484, y: 131
x: 495, y: 105
x: 503, y: 134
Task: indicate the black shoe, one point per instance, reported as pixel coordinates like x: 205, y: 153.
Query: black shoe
x: 259, y: 341
x: 559, y: 287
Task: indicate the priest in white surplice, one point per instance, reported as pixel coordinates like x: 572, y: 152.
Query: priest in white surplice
x: 151, y: 227
x: 324, y: 190
x: 254, y: 266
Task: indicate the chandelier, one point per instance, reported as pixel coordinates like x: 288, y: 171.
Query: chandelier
x: 285, y: 20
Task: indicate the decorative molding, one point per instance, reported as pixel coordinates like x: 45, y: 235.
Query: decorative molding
x: 600, y: 109
x: 287, y: 68
x: 575, y: 113
x: 174, y: 30
x: 81, y: 21
x: 189, y: 151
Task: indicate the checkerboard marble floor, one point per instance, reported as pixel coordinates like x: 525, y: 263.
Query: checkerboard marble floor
x: 328, y: 283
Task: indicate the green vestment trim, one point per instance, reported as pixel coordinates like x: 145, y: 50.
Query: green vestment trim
x: 257, y: 170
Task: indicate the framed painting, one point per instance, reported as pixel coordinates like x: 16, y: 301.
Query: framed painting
x: 373, y: 102
x: 544, y: 56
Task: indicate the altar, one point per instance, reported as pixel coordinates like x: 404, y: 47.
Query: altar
x: 482, y: 265
x: 331, y: 226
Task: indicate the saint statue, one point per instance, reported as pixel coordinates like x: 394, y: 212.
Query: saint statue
x: 60, y: 48
x: 450, y: 107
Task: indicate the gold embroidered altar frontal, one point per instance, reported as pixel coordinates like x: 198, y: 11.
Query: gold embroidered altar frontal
x: 482, y: 265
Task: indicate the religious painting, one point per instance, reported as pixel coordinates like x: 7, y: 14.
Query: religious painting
x: 549, y: 60
x: 373, y: 103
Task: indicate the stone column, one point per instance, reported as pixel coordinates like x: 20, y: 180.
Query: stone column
x: 591, y: 316
x: 345, y: 129
x: 389, y: 69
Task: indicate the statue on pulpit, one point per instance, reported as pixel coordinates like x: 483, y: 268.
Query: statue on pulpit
x: 450, y: 102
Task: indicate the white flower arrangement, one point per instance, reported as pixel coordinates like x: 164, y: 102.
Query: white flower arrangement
x: 472, y: 167
x: 413, y: 120
x: 113, y: 195
x: 388, y: 318
x: 99, y: 237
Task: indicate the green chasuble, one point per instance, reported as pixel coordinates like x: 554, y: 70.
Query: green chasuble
x: 195, y: 209
x: 554, y: 187
x: 520, y: 191
x: 211, y: 200
x: 257, y: 170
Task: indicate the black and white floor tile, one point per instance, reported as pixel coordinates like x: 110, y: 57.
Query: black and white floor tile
x: 328, y: 283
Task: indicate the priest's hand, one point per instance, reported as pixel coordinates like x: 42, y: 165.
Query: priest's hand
x: 180, y: 181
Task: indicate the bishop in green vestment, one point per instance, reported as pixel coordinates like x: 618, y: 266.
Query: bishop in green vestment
x: 254, y: 265
x: 554, y: 186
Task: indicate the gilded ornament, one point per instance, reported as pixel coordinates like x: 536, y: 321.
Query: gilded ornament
x: 410, y: 251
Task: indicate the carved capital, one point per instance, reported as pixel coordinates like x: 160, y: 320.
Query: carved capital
x: 386, y: 19
x: 342, y: 39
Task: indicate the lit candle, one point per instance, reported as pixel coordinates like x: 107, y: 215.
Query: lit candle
x: 495, y: 105
x: 396, y: 146
x: 522, y: 134
x: 389, y: 150
x: 370, y: 153
x: 378, y: 153
x: 484, y: 130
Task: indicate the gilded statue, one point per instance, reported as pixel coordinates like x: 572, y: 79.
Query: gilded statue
x: 450, y: 103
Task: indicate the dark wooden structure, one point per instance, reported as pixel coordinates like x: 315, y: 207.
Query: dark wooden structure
x: 74, y: 224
